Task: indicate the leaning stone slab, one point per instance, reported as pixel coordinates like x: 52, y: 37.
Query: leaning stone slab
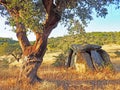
x: 97, y: 59
x: 68, y: 60
x: 73, y: 59
x: 88, y: 60
x: 105, y: 56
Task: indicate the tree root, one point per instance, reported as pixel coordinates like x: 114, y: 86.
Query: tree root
x: 36, y: 80
x: 30, y: 81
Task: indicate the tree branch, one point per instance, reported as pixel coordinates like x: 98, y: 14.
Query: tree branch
x: 22, y: 37
x: 39, y: 40
x: 3, y: 2
x: 53, y: 16
x: 20, y: 28
x: 15, y: 56
x: 52, y: 19
x: 47, y: 4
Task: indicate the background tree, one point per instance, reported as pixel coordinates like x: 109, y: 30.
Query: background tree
x: 77, y: 28
x: 41, y: 17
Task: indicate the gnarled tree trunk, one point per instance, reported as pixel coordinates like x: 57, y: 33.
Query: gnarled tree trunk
x: 32, y: 59
x: 33, y: 54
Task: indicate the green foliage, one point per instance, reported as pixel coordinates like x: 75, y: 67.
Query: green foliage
x: 32, y: 12
x: 29, y: 12
x: 77, y: 28
x: 8, y: 46
x: 99, y: 38
x: 60, y: 60
x: 83, y: 9
x: 9, y: 40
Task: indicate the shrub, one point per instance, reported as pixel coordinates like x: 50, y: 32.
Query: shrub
x: 60, y: 60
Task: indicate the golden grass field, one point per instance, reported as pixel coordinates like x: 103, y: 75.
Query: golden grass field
x: 60, y: 78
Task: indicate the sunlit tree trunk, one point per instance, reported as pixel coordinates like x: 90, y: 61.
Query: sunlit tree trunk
x: 33, y: 54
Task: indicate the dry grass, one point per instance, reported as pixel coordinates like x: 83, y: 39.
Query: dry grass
x: 114, y: 52
x: 60, y: 78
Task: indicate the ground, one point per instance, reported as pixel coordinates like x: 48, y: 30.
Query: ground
x: 60, y: 78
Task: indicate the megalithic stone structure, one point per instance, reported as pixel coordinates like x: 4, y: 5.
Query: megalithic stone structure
x: 88, y: 57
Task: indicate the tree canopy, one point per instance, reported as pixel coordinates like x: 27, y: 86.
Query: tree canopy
x: 33, y: 14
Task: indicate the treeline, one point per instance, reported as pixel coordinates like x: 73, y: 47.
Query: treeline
x: 8, y: 40
x: 8, y: 45
x: 99, y: 38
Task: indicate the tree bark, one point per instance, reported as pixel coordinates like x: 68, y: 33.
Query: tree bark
x: 33, y: 54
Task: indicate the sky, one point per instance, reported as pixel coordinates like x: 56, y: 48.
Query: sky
x: 110, y: 23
